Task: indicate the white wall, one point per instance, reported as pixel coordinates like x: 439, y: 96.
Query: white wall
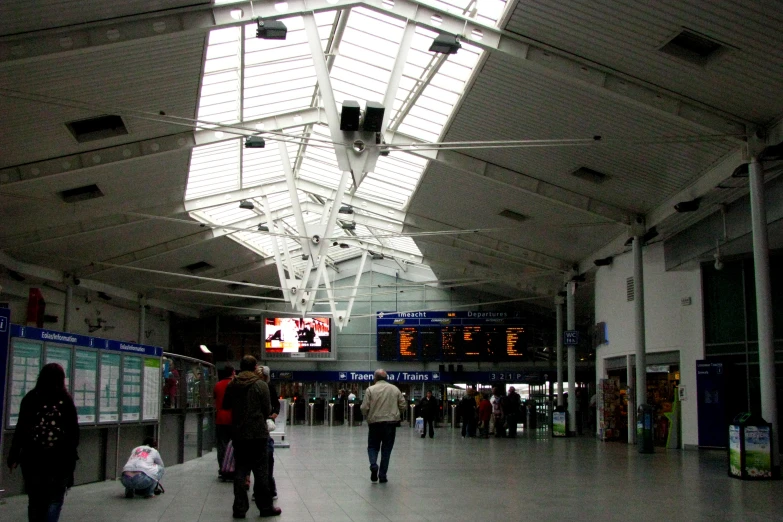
x: 121, y: 324
x: 669, y: 325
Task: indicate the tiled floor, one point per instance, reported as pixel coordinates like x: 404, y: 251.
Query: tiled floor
x: 324, y: 476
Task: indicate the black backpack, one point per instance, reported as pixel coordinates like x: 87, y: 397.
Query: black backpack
x: 48, y: 431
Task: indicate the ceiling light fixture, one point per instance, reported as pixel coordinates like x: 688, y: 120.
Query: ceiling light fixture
x: 349, y: 226
x: 445, y: 44
x: 688, y: 206
x: 204, y: 348
x: 263, y: 228
x: 606, y: 261
x: 255, y: 142
x: 271, y: 30
x: 246, y: 204
x: 346, y: 209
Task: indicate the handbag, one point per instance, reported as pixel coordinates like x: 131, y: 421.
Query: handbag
x: 228, y: 464
x: 159, y: 489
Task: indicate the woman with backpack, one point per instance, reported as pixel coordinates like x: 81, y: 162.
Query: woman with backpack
x: 45, y: 442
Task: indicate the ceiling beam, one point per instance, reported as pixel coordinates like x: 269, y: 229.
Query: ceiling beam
x: 58, y: 276
x: 541, y: 57
x: 131, y: 151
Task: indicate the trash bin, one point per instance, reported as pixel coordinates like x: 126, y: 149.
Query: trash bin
x: 560, y: 422
x: 750, y: 448
x: 644, y: 428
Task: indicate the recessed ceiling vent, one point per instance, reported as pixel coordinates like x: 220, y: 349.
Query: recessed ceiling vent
x: 236, y: 286
x: 692, y: 47
x: 588, y: 174
x: 99, y: 128
x: 77, y: 194
x: 477, y: 263
x: 516, y: 216
x: 200, y: 266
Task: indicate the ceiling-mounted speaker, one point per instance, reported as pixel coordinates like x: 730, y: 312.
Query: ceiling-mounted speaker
x: 373, y: 117
x: 350, y: 116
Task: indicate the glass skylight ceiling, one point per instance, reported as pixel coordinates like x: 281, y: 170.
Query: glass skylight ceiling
x: 246, y: 79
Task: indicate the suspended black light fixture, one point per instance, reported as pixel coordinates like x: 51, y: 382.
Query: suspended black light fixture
x: 263, y: 228
x: 255, y: 142
x: 247, y: 205
x: 271, y: 30
x: 445, y: 44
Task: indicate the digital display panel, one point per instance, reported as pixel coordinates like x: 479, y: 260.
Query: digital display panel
x: 296, y: 335
x: 451, y: 336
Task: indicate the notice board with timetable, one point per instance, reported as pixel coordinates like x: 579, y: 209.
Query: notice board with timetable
x: 110, y: 381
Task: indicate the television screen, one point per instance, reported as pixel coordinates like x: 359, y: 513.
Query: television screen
x: 297, y: 335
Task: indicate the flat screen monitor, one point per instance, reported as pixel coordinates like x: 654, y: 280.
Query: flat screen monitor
x: 298, y: 338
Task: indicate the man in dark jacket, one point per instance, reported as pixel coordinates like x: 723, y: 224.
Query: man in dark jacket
x: 468, y: 412
x: 512, y: 409
x: 247, y: 396
x: 428, y: 409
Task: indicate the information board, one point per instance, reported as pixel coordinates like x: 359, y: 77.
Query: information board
x: 62, y: 356
x: 152, y: 387
x: 25, y: 366
x: 451, y: 336
x: 131, y: 388
x: 85, y: 376
x: 109, y: 392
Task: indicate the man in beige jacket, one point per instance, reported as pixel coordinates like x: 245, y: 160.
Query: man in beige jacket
x: 383, y: 403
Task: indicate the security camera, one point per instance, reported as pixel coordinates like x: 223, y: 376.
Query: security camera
x: 77, y: 281
x: 718, y: 262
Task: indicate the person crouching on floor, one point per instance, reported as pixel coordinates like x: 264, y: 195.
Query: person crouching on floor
x: 143, y: 470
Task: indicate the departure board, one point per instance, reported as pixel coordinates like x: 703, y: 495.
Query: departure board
x: 450, y: 336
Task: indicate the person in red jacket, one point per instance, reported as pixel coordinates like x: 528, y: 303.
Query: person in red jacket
x: 222, y: 418
x: 485, y: 412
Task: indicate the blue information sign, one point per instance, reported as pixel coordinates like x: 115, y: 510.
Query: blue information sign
x: 571, y: 337
x: 39, y: 334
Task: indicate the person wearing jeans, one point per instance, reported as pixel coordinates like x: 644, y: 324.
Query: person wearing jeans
x: 382, y: 406
x: 143, y: 470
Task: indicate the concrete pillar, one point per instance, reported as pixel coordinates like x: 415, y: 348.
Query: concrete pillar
x: 769, y: 408
x: 67, y: 316
x: 638, y: 305
x: 631, y: 402
x: 571, y: 325
x: 559, y: 337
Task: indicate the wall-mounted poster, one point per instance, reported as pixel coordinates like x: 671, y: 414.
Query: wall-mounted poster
x: 25, y: 365
x: 131, y: 388
x: 85, y: 375
x: 62, y: 356
x: 152, y: 387
x: 109, y: 394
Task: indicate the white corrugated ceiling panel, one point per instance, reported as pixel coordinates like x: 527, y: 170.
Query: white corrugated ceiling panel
x: 165, y: 78
x: 20, y: 16
x: 641, y: 175
x: 625, y: 35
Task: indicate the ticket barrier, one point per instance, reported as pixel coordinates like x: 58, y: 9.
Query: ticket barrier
x: 330, y: 410
x: 453, y: 413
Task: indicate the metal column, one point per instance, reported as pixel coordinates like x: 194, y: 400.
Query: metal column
x: 67, y: 308
x: 638, y: 305
x: 571, y: 319
x: 630, y: 398
x: 769, y: 407
x: 142, y: 319
x: 559, y: 337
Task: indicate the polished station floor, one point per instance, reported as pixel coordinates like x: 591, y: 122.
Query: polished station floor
x: 324, y: 476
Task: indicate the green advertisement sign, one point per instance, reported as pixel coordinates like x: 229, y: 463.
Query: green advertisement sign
x: 131, y: 388
x: 85, y: 376
x: 735, y: 462
x: 559, y: 424
x: 758, y: 452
